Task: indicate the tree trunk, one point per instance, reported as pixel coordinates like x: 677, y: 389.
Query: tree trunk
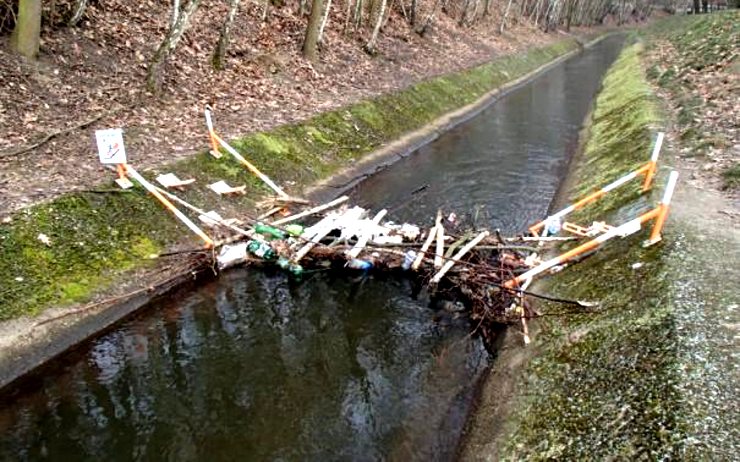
x: 506, y: 16
x: 324, y: 21
x: 175, y: 12
x: 27, y: 32
x: 79, y: 11
x: 538, y: 9
x: 310, y: 50
x: 412, y: 13
x: 705, y: 6
x: 358, y: 14
x: 423, y: 29
x: 223, y: 40
x: 169, y: 43
x: 370, y: 46
x: 347, y: 16
x: 303, y: 7
x: 464, y: 13
x: 487, y: 8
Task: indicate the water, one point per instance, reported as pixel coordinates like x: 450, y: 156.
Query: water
x: 256, y: 366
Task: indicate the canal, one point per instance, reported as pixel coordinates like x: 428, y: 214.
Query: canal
x: 258, y: 366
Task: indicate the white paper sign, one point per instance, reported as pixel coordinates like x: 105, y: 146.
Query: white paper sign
x: 110, y: 146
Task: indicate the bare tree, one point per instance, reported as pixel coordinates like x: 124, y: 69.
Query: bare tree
x: 310, y: 49
x: 370, y: 46
x: 77, y: 12
x: 324, y: 21
x: 428, y: 22
x: 225, y: 36
x: 181, y: 20
x: 504, y: 18
x: 26, y: 36
x: 347, y: 15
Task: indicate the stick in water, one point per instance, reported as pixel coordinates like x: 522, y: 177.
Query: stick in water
x: 450, y: 263
x: 366, y: 235
x: 424, y: 248
x: 440, y: 240
x: 312, y: 211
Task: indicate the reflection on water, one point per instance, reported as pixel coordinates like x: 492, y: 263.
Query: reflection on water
x: 506, y: 164
x: 255, y: 366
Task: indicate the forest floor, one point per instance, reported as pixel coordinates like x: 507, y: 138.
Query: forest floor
x: 92, y: 76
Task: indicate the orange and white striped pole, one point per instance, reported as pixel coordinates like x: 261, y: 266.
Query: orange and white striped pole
x: 211, y: 132
x: 653, y: 164
x: 181, y: 216
x: 659, y: 213
x: 664, y: 206
x: 217, y: 140
x: 648, y: 170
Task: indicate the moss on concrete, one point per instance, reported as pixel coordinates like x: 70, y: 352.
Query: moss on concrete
x: 96, y: 238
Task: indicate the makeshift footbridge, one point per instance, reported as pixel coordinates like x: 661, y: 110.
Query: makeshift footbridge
x: 452, y: 259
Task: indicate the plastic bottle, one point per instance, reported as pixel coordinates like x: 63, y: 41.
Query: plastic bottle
x: 408, y: 260
x: 358, y: 264
x: 294, y: 229
x: 269, y: 231
x: 261, y: 250
x: 294, y: 268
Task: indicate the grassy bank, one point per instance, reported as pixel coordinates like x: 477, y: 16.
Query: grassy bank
x: 645, y: 375
x: 97, y: 236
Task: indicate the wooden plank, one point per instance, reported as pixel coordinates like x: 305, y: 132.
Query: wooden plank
x: 366, y: 235
x: 450, y: 263
x: 424, y: 248
x: 440, y: 240
x: 312, y: 211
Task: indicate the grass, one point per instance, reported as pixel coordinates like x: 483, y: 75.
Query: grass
x: 731, y: 177
x: 646, y: 375
x: 603, y: 385
x: 97, y: 238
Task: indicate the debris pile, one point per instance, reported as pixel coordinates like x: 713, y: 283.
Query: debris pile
x: 464, y: 265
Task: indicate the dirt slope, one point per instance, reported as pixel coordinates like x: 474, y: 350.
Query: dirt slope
x: 95, y: 72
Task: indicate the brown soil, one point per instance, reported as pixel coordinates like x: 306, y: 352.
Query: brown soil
x: 97, y: 70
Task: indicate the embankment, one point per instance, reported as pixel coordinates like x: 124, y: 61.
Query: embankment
x: 103, y: 240
x: 650, y: 373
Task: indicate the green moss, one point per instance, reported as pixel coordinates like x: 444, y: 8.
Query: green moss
x: 93, y: 238
x: 731, y: 176
x: 97, y: 237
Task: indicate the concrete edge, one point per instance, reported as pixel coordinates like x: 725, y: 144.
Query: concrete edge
x: 46, y: 342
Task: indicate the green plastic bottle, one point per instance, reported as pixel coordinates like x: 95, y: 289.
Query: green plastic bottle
x: 294, y: 229
x: 270, y: 232
x: 294, y: 268
x: 261, y: 250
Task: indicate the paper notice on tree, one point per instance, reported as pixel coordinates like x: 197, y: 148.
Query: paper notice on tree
x: 110, y: 146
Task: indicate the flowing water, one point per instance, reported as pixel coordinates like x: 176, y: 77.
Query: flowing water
x: 257, y: 366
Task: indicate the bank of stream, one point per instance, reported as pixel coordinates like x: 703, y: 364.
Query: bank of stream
x: 256, y: 365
